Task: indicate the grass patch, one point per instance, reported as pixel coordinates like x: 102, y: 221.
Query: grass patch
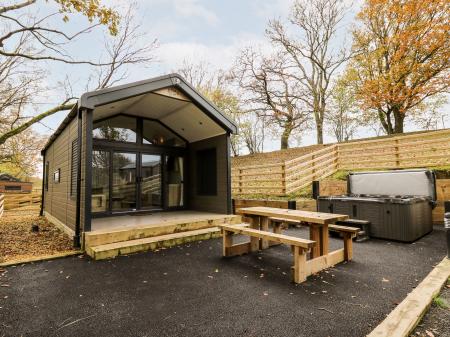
x: 440, y: 302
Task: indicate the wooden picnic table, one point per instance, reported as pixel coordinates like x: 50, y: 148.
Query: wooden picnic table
x: 318, y: 223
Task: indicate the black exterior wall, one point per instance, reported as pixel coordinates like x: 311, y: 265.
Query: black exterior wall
x: 221, y: 202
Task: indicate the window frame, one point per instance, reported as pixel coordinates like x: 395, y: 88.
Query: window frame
x: 137, y: 132
x: 57, y: 176
x: 139, y: 137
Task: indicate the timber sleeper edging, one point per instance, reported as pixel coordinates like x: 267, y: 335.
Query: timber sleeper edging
x: 405, y: 317
x: 41, y: 258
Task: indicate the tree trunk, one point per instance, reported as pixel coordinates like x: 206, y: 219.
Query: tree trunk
x: 319, y: 128
x: 399, y: 120
x: 285, y: 136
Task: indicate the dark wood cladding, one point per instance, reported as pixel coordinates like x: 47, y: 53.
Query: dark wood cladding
x: 208, y: 203
x: 57, y: 199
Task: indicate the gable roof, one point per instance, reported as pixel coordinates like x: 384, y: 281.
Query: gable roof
x: 93, y: 99
x: 8, y: 177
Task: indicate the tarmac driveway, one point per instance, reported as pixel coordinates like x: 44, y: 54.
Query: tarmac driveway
x: 192, y: 291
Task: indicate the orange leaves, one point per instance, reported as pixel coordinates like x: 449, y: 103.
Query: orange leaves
x: 93, y: 10
x: 403, y: 52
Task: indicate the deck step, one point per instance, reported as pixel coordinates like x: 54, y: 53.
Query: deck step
x: 103, y: 237
x: 111, y: 250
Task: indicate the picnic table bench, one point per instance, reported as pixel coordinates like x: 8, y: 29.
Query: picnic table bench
x: 300, y: 247
x: 317, y: 245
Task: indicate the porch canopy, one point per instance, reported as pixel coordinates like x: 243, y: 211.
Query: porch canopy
x: 168, y: 99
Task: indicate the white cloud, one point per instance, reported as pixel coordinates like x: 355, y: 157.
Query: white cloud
x: 192, y: 8
x: 219, y: 55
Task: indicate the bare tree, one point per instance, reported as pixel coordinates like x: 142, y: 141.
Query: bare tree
x: 21, y: 77
x: 271, y: 93
x: 215, y: 85
x: 343, y: 117
x: 430, y: 115
x: 311, y: 52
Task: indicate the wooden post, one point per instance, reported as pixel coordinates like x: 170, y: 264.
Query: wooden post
x: 324, y: 240
x: 254, y: 242
x: 240, y: 181
x: 283, y: 179
x: 227, y: 240
x: 299, y: 269
x: 313, y: 167
x: 397, y: 154
x: 264, y: 227
x: 348, y: 247
x: 314, y: 235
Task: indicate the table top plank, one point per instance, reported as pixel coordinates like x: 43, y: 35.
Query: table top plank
x: 291, y: 214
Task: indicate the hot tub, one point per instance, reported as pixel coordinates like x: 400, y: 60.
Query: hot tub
x: 398, y: 204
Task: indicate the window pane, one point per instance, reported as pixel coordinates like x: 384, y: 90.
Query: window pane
x: 119, y: 128
x: 100, y: 181
x: 124, y: 181
x: 175, y: 180
x: 156, y: 134
x: 151, y: 181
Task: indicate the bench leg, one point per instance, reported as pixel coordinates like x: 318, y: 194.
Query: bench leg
x: 348, y: 246
x: 324, y: 240
x: 254, y: 242
x: 227, y: 242
x: 264, y: 227
x: 299, y: 269
x: 314, y: 235
x: 277, y: 230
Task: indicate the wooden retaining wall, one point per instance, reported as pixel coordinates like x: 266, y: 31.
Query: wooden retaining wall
x: 417, y: 150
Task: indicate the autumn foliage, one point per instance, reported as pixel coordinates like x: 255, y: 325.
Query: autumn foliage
x: 402, y: 56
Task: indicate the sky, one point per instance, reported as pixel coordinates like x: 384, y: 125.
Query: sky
x: 212, y: 31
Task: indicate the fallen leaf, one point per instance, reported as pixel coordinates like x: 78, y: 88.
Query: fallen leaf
x: 385, y: 280
x: 429, y: 333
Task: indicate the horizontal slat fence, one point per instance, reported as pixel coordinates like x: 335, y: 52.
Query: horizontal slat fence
x: 428, y: 149
x: 12, y: 201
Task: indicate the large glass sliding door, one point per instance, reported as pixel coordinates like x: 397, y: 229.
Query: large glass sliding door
x: 150, y: 182
x: 100, y: 181
x: 123, y: 181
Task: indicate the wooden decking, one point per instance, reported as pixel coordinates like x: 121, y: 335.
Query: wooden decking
x: 126, y: 234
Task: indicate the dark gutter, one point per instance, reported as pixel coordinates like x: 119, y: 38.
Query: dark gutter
x: 229, y: 202
x: 88, y: 172
x: 41, y: 212
x: 77, y: 237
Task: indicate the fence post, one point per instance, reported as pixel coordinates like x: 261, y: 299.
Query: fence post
x: 397, y: 154
x: 336, y: 157
x: 292, y: 204
x: 283, y: 178
x: 240, y: 181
